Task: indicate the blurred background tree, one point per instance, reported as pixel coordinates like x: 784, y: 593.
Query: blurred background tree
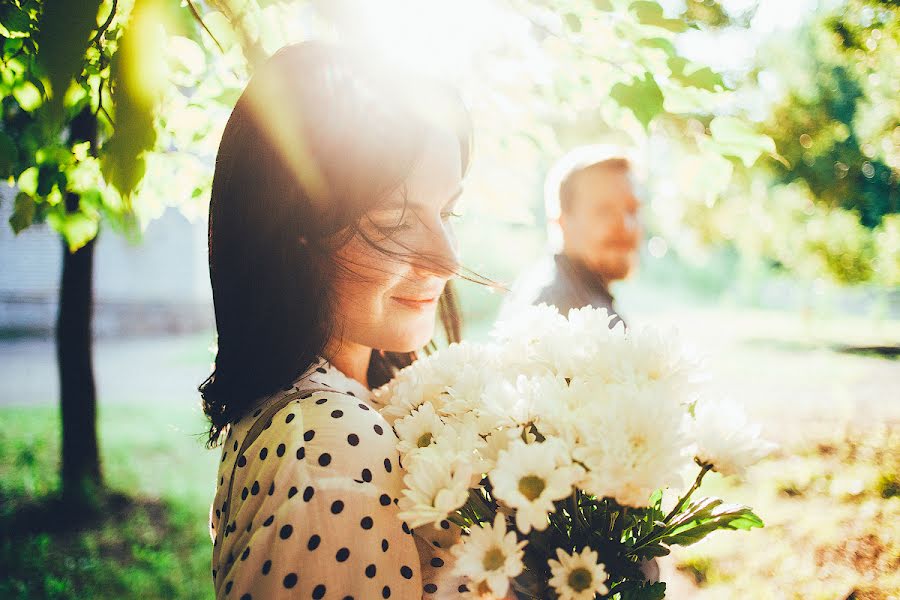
x: 82, y: 82
x: 825, y: 206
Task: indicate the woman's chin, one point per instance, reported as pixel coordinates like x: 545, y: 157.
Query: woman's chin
x: 413, y: 342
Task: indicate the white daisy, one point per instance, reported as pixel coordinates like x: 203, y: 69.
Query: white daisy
x: 530, y: 477
x: 489, y: 555
x: 577, y: 576
x: 418, y: 429
x: 435, y: 485
x: 725, y: 438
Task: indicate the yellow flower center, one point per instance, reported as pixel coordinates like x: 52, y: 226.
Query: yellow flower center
x: 580, y: 579
x: 493, y: 559
x: 531, y: 486
x: 424, y: 440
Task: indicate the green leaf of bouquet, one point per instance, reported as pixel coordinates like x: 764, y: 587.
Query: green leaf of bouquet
x: 653, y: 551
x: 648, y: 591
x: 651, y: 13
x: 23, y: 212
x: 641, y: 96
x: 722, y: 516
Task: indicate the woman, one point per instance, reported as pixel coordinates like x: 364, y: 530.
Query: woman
x: 330, y: 255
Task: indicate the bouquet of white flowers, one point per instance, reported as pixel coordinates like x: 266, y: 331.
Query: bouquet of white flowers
x: 552, y: 447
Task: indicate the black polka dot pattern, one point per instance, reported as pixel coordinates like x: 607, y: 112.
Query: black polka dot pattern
x: 315, y: 506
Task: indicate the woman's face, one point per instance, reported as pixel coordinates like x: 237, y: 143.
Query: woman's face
x: 389, y: 302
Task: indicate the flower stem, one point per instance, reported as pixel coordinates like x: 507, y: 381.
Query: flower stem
x: 703, y: 471
x: 576, y: 511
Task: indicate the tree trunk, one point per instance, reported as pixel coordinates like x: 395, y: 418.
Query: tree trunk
x: 81, y: 475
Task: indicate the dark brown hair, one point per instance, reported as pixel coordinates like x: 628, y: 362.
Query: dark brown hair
x: 316, y: 139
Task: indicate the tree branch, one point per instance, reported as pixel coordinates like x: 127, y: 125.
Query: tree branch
x: 106, y: 24
x: 199, y: 19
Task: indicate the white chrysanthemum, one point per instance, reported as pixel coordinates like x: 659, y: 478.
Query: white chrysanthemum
x: 530, y: 477
x: 632, y: 442
x: 577, y: 576
x: 489, y: 555
x: 461, y: 367
x: 418, y: 429
x: 725, y: 438
x: 654, y: 355
x: 594, y: 322
x: 435, y: 485
x: 529, y: 324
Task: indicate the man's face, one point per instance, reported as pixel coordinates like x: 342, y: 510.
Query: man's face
x: 600, y: 226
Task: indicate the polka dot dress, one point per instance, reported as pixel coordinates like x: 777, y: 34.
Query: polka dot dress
x: 314, y: 510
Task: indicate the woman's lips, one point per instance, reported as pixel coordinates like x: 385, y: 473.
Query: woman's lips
x: 417, y: 303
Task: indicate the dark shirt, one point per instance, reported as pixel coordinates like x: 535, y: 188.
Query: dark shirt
x: 566, y: 284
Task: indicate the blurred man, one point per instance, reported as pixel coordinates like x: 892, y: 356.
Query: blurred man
x: 591, y: 204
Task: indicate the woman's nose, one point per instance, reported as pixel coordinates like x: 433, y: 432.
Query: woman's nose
x: 439, y: 256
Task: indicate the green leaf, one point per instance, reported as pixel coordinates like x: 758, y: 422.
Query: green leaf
x: 641, y: 96
x: 28, y: 181
x: 653, y: 550
x: 65, y: 29
x: 573, y: 21
x: 14, y: 22
x: 23, y: 212
x: 687, y: 74
x: 648, y: 591
x: 735, y: 137
x: 76, y: 227
x: 658, y: 42
x: 651, y: 13
x: 27, y: 95
x: 709, y: 515
x: 136, y: 75
x: 604, y: 5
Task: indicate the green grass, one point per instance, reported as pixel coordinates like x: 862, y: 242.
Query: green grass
x: 152, y: 543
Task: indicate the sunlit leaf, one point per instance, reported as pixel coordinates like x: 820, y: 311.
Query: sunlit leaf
x: 604, y: 5
x: 573, y: 21
x: 77, y: 228
x: 14, y: 22
x: 137, y: 78
x: 23, y: 212
x: 651, y: 13
x: 28, y: 181
x: 658, y: 42
x: 27, y: 95
x: 65, y: 29
x: 641, y: 96
x: 734, y: 137
x: 687, y: 74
